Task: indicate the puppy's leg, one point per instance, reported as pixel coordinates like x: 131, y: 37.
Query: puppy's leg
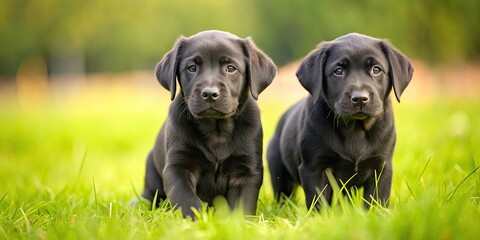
x: 179, y: 186
x: 246, y: 194
x: 153, y: 182
x: 282, y: 182
x: 314, y: 183
x: 377, y: 189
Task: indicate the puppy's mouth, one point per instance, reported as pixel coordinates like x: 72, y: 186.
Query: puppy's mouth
x: 213, y: 113
x: 355, y: 114
x: 360, y: 116
x: 219, y: 109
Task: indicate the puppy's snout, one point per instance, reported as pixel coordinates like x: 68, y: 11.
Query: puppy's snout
x: 359, y: 98
x: 210, y: 94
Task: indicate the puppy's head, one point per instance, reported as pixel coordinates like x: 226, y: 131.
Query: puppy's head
x: 216, y: 71
x: 354, y: 74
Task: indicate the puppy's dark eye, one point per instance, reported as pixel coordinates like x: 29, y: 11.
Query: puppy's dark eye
x: 338, y: 71
x: 376, y: 71
x: 231, y: 68
x: 192, y: 68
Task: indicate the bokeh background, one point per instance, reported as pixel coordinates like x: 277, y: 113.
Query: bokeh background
x: 110, y: 35
x: 54, y: 44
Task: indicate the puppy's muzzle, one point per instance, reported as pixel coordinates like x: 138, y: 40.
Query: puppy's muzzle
x: 210, y: 94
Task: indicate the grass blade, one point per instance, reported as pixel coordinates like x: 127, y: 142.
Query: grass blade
x: 95, y: 193
x: 410, y: 189
x: 80, y: 170
x: 452, y: 193
x: 27, y: 221
x: 4, y: 195
x: 136, y: 193
x: 344, y: 188
x: 154, y: 202
x: 423, y: 170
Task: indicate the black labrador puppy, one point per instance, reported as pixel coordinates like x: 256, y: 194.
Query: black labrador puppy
x: 346, y: 125
x: 211, y: 142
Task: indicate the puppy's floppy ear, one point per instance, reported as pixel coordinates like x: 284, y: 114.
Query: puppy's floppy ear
x: 310, y: 72
x: 166, y: 69
x: 401, y: 70
x: 260, y: 68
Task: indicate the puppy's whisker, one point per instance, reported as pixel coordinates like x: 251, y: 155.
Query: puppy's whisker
x: 336, y: 120
x: 329, y: 112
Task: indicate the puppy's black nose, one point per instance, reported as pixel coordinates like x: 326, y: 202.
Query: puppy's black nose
x: 359, y: 98
x: 210, y: 94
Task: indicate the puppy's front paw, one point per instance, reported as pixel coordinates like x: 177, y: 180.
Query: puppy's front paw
x: 190, y: 210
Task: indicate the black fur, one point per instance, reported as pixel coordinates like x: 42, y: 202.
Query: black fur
x: 211, y: 142
x: 346, y: 125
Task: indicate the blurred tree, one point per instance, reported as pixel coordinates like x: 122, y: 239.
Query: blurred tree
x: 118, y: 35
x: 439, y: 31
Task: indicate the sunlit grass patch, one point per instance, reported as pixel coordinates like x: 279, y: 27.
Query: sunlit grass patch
x: 72, y: 169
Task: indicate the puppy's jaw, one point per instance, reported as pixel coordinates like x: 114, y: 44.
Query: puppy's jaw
x: 219, y: 109
x: 213, y: 114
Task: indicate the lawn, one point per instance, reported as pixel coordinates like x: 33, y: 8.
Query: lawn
x: 71, y: 164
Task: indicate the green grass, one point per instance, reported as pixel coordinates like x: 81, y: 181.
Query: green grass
x: 69, y: 170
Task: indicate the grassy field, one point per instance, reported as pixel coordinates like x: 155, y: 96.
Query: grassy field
x: 71, y: 163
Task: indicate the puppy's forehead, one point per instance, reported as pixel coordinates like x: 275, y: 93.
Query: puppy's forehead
x: 214, y: 44
x: 357, y: 47
x: 211, y: 34
x: 353, y: 37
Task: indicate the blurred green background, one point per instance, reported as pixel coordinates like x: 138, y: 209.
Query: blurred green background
x: 121, y: 35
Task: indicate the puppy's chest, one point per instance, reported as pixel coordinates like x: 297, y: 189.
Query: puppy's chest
x: 218, y: 139
x: 355, y: 146
x: 357, y: 155
x: 216, y: 151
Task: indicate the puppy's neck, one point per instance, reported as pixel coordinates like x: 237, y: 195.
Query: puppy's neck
x: 368, y: 123
x: 351, y: 124
x: 219, y: 129
x: 217, y: 137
